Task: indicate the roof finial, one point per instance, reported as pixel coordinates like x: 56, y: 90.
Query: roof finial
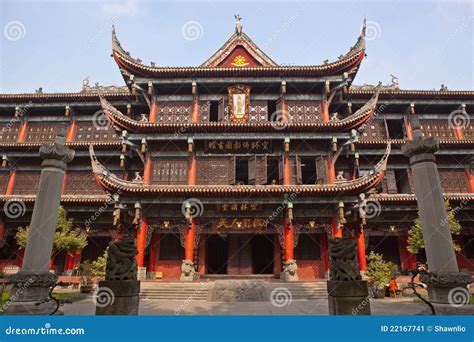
x: 238, y: 25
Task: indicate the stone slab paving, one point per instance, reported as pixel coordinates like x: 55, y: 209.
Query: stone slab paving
x: 388, y: 306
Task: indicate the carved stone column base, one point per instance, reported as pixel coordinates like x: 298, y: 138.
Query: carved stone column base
x: 449, y: 310
x: 290, y: 271
x: 348, y: 298
x: 141, y: 273
x: 30, y: 294
x: 187, y: 271
x: 117, y: 297
x: 447, y: 287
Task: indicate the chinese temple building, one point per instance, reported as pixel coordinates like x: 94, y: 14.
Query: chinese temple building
x: 239, y: 166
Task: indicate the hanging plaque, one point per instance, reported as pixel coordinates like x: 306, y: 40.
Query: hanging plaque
x: 239, y: 102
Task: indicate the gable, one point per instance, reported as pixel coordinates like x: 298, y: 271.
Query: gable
x: 239, y: 57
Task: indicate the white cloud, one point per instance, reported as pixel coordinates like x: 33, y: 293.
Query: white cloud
x: 120, y: 8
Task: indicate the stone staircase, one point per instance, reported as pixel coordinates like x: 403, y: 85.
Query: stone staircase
x: 302, y: 290
x: 199, y: 291
x: 174, y: 290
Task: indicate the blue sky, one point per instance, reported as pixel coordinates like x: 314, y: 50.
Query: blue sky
x: 56, y: 44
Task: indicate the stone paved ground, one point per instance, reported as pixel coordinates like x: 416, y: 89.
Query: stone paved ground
x: 387, y: 306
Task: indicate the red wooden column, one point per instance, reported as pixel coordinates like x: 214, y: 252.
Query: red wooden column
x: 289, y: 243
x: 72, y: 259
x: 71, y: 133
x: 458, y: 127
x: 407, y: 259
x: 153, y: 110
x: 155, y: 241
x: 23, y: 131
x: 361, y: 248
x: 470, y: 175
x: 408, y: 123
x: 190, y: 233
x: 11, y: 183
x: 195, y: 110
x: 325, y: 105
x: 284, y: 106
x: 141, y: 242
x: 189, y: 241
x: 2, y: 228
x: 323, y: 241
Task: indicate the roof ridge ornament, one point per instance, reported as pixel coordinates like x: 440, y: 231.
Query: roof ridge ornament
x: 238, y: 24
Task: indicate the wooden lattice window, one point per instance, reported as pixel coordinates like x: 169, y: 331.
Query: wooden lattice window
x: 257, y: 170
x: 82, y: 183
x: 216, y: 170
x: 87, y: 131
x: 204, y: 111
x: 9, y: 132
x: 26, y: 183
x: 303, y: 111
x: 453, y: 181
x: 4, y: 177
x: 170, y: 171
x: 174, y: 112
x: 375, y: 129
x: 258, y: 111
x: 41, y: 132
x: 469, y: 130
x: 437, y: 128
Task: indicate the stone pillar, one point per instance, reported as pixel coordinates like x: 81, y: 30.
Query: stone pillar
x: 443, y: 274
x: 32, y: 284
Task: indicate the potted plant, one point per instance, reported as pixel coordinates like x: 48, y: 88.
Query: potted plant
x: 86, y: 274
x: 379, y: 273
x: 89, y: 271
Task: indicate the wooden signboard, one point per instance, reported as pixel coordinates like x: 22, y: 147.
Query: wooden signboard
x: 239, y: 103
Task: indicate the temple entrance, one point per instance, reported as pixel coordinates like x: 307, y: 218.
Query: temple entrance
x: 262, y: 254
x: 216, y: 254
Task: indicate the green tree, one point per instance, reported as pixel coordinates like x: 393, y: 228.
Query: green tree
x: 415, y: 234
x: 379, y: 271
x: 66, y: 237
